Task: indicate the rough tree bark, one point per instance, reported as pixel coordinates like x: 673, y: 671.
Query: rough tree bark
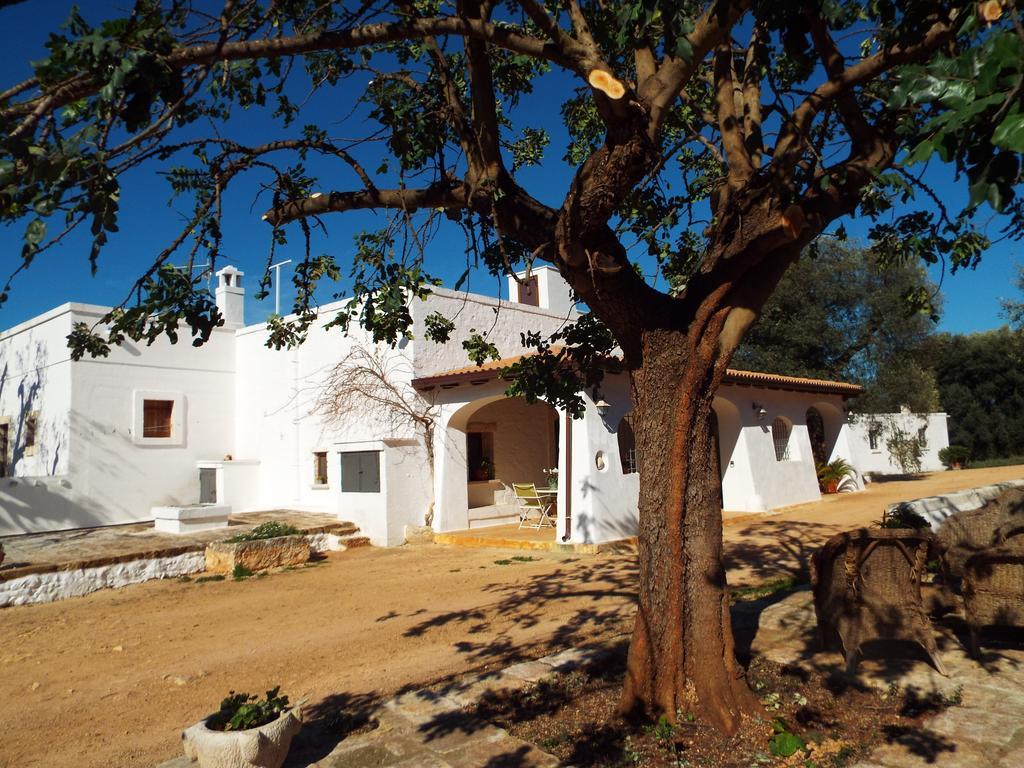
x: 681, y: 658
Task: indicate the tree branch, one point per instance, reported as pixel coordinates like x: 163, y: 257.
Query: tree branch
x: 740, y: 168
x: 502, y: 36
x: 793, y: 134
x: 450, y: 196
x: 711, y: 28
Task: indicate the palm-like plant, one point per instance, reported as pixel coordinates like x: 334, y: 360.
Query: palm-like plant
x: 833, y: 475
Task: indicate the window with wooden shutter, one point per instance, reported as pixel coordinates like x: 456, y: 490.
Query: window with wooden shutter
x: 528, y: 292
x: 156, y: 418
x: 360, y: 472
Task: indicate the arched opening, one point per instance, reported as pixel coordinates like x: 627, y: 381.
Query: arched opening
x: 816, y: 433
x: 507, y: 441
x: 780, y: 438
x: 627, y: 444
x: 716, y: 454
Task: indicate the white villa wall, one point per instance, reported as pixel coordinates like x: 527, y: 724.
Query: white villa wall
x: 126, y: 479
x: 605, y: 501
x: 35, y: 375
x: 879, y: 460
x: 503, y: 322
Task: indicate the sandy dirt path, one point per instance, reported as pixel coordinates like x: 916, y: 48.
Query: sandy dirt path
x: 108, y: 680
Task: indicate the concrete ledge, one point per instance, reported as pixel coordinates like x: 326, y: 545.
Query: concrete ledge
x: 190, y: 519
x: 935, y: 509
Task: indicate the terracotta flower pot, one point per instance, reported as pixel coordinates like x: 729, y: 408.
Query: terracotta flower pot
x: 265, y: 746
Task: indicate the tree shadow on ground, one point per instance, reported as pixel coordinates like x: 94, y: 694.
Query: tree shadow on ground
x: 328, y: 722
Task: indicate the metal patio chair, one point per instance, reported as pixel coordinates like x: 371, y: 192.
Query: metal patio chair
x: 532, y: 504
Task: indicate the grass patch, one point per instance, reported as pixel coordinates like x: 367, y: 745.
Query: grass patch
x: 515, y: 559
x: 184, y: 579
x: 760, y: 591
x: 1005, y: 461
x: 271, y: 530
x: 215, y: 577
x: 240, y: 573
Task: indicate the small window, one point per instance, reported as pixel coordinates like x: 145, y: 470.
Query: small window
x: 31, y: 432
x: 922, y: 437
x: 480, y: 455
x: 5, y: 446
x: 780, y: 436
x: 627, y: 445
x: 320, y: 468
x: 528, y: 291
x: 873, y: 436
x: 360, y: 472
x: 156, y: 418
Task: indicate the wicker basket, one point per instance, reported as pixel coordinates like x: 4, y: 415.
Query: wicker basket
x: 993, y: 585
x: 867, y: 586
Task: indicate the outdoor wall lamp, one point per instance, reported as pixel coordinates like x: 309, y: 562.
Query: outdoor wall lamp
x: 603, y: 406
x: 759, y: 411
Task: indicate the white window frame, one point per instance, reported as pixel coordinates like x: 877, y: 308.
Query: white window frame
x: 139, y: 397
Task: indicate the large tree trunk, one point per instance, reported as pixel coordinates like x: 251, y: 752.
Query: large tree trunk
x: 681, y: 659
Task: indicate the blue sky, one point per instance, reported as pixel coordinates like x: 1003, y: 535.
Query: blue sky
x: 147, y: 223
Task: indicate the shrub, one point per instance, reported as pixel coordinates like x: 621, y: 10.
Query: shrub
x: 271, y: 530
x: 834, y: 475
x: 955, y: 455
x: 902, y: 516
x: 906, y: 451
x: 240, y: 711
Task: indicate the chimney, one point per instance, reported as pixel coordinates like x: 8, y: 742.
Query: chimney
x: 231, y: 297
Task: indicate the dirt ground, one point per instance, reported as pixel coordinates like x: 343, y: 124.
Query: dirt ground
x: 110, y: 679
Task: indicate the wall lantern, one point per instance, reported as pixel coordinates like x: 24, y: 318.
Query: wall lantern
x: 602, y: 405
x: 759, y: 411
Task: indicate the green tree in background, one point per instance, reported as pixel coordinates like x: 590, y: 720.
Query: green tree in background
x: 1013, y: 309
x: 841, y: 312
x: 981, y: 386
x: 718, y: 139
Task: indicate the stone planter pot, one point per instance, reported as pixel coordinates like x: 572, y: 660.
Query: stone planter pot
x: 223, y: 556
x: 262, y: 747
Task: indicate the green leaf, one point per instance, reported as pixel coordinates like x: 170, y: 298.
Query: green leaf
x: 785, y: 744
x: 1009, y: 134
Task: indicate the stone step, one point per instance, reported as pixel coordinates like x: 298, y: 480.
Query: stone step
x: 353, y: 541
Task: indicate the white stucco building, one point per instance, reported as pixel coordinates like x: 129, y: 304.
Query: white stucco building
x: 103, y: 441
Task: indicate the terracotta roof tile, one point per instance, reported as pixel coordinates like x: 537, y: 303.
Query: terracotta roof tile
x: 732, y: 376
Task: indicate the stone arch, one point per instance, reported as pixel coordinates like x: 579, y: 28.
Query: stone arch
x: 502, y: 440
x: 824, y: 434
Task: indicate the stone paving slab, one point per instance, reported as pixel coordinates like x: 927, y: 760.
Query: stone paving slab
x: 985, y: 730
x: 433, y: 728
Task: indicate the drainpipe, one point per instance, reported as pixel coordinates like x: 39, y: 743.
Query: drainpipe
x: 568, y: 477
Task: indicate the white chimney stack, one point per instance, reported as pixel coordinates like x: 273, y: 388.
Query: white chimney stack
x: 231, y: 297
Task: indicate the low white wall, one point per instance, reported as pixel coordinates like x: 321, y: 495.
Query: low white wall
x: 879, y: 460
x: 58, y: 585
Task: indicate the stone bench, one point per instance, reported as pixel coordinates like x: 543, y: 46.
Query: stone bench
x: 191, y: 518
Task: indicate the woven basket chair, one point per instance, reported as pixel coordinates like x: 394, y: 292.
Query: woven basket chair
x: 993, y: 585
x: 867, y: 586
x: 965, y: 534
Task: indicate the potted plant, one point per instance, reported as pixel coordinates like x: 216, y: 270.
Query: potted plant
x: 246, y: 732
x: 834, y: 475
x: 484, y: 470
x: 552, y: 475
x: 955, y: 456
